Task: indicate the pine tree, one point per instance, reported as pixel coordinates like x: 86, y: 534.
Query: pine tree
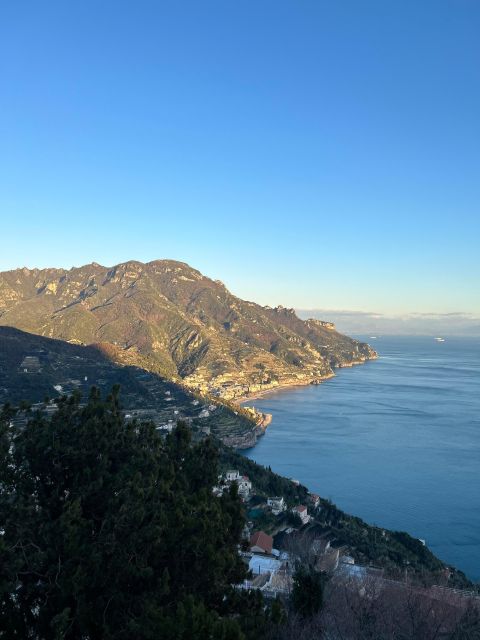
x: 110, y: 531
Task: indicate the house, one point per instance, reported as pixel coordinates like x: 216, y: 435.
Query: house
x: 261, y: 542
x: 262, y: 564
x: 232, y: 476
x: 314, y: 500
x: 302, y: 512
x: 328, y: 562
x: 244, y: 486
x: 276, y: 504
x: 167, y: 428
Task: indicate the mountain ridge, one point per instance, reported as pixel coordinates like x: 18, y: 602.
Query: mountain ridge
x: 171, y: 319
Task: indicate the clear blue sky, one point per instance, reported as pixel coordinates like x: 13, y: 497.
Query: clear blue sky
x: 310, y: 153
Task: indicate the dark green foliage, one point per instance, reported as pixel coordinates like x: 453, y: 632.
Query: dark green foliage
x: 266, y: 482
x: 112, y: 532
x: 307, y: 593
x: 294, y: 520
x: 392, y: 550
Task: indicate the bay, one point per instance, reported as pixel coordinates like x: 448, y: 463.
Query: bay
x: 395, y: 441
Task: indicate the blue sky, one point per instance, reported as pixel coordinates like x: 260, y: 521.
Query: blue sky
x: 309, y: 153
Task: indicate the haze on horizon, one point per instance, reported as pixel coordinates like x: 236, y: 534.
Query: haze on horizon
x: 316, y: 155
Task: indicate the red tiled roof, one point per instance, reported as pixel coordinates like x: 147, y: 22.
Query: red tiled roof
x: 300, y: 508
x: 262, y: 540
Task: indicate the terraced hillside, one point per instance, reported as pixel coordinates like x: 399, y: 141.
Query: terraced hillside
x: 33, y: 368
x: 171, y: 320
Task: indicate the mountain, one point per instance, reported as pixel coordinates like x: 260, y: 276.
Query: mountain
x: 168, y: 318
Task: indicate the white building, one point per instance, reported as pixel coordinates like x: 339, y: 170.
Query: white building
x: 276, y: 504
x: 244, y: 486
x: 301, y: 510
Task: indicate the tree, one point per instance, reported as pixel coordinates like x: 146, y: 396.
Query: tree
x: 109, y: 531
x: 307, y: 592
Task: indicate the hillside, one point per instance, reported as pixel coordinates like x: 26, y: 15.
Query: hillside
x: 169, y: 319
x: 33, y: 368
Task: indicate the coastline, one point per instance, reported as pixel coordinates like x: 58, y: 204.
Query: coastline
x: 361, y: 428
x: 280, y: 387
x: 266, y: 418
x: 291, y: 385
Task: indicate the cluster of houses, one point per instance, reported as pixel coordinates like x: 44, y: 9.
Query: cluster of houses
x: 272, y: 559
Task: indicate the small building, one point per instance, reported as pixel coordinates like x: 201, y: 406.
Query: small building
x: 314, y: 500
x: 166, y: 428
x: 276, y: 504
x: 232, y: 476
x: 30, y: 364
x: 260, y: 542
x: 244, y: 486
x: 328, y: 562
x: 259, y: 565
x: 302, y: 511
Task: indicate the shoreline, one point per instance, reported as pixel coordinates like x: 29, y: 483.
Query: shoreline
x: 265, y: 419
x: 291, y: 385
x: 280, y: 387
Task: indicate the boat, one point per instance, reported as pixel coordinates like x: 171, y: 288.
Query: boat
x: 440, y: 339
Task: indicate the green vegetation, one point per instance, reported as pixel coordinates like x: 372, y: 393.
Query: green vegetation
x: 266, y: 482
x: 396, y: 552
x: 76, y: 368
x: 307, y: 594
x: 110, y: 531
x: 393, y: 551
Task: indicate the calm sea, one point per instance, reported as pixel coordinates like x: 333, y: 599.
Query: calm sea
x: 395, y: 441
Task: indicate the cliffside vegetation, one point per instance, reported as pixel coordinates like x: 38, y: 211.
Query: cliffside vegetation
x: 110, y: 530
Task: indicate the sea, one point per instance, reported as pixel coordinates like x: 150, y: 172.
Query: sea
x: 395, y: 441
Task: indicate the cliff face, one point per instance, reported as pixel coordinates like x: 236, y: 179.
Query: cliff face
x: 170, y: 319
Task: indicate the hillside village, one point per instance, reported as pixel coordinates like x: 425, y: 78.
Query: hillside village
x: 285, y: 532
x: 36, y: 368
x: 272, y: 553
